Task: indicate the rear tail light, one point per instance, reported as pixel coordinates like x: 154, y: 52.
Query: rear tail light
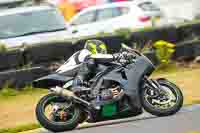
x: 144, y: 18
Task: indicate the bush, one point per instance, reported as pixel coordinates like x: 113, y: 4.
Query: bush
x: 164, y: 51
x: 2, y: 48
x: 125, y: 32
x: 100, y: 34
x: 8, y: 92
x: 159, y: 53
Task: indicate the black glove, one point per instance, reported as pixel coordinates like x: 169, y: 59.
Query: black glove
x: 124, y: 54
x: 131, y: 57
x: 116, y: 56
x: 120, y: 57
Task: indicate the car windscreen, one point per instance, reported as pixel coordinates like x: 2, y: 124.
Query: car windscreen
x: 30, y: 22
x: 148, y: 6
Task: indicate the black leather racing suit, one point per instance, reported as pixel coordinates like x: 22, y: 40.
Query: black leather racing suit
x: 89, y: 65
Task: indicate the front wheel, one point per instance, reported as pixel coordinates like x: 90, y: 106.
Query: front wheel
x: 166, y: 103
x: 57, y: 113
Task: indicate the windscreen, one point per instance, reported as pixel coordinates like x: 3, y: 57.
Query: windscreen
x: 148, y: 6
x: 30, y: 22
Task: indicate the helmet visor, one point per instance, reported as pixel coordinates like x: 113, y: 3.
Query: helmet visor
x: 102, y: 49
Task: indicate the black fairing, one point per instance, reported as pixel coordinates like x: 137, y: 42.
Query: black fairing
x: 134, y: 77
x: 70, y: 73
x: 135, y: 73
x: 51, y: 81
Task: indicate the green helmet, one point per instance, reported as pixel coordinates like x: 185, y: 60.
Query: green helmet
x: 96, y: 46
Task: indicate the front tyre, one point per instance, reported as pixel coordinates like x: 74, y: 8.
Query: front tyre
x: 163, y: 105
x: 63, y: 117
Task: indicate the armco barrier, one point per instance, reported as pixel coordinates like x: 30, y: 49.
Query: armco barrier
x: 188, y: 31
x: 197, y: 48
x: 165, y: 33
x: 187, y: 49
x: 48, y: 52
x: 11, y: 59
x: 196, y: 29
x: 19, y: 78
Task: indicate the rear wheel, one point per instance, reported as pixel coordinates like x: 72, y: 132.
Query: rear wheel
x: 167, y: 103
x: 57, y: 113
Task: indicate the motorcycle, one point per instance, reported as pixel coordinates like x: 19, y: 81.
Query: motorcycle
x: 105, y: 96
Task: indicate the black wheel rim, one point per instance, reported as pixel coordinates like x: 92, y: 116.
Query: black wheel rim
x: 163, y: 104
x: 61, y: 100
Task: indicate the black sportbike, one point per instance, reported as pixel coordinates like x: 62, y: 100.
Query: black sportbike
x: 105, y: 96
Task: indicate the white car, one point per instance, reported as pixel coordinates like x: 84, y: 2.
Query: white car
x: 110, y: 17
x: 31, y: 26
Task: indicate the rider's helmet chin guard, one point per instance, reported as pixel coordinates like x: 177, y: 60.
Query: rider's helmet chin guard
x: 96, y: 46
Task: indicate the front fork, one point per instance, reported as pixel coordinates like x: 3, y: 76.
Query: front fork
x: 154, y: 85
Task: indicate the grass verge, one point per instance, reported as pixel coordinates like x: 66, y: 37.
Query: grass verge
x: 187, y: 79
x: 21, y: 128
x: 18, y: 107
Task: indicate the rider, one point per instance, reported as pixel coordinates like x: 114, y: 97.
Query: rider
x: 95, y: 50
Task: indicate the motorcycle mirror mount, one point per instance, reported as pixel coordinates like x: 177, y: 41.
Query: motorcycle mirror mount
x: 124, y: 46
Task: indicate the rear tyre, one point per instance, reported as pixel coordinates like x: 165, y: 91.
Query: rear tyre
x: 56, y: 126
x: 175, y: 107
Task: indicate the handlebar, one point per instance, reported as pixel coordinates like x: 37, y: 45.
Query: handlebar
x: 136, y: 52
x: 127, y: 55
x: 131, y: 50
x: 124, y: 57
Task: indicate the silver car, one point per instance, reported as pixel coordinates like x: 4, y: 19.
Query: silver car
x: 31, y: 26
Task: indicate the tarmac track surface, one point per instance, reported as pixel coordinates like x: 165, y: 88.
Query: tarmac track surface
x: 187, y: 120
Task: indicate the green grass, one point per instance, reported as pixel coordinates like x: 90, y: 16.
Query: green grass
x: 3, y: 48
x: 7, y: 92
x: 10, y: 94
x: 169, y: 68
x: 20, y: 128
x: 18, y: 108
